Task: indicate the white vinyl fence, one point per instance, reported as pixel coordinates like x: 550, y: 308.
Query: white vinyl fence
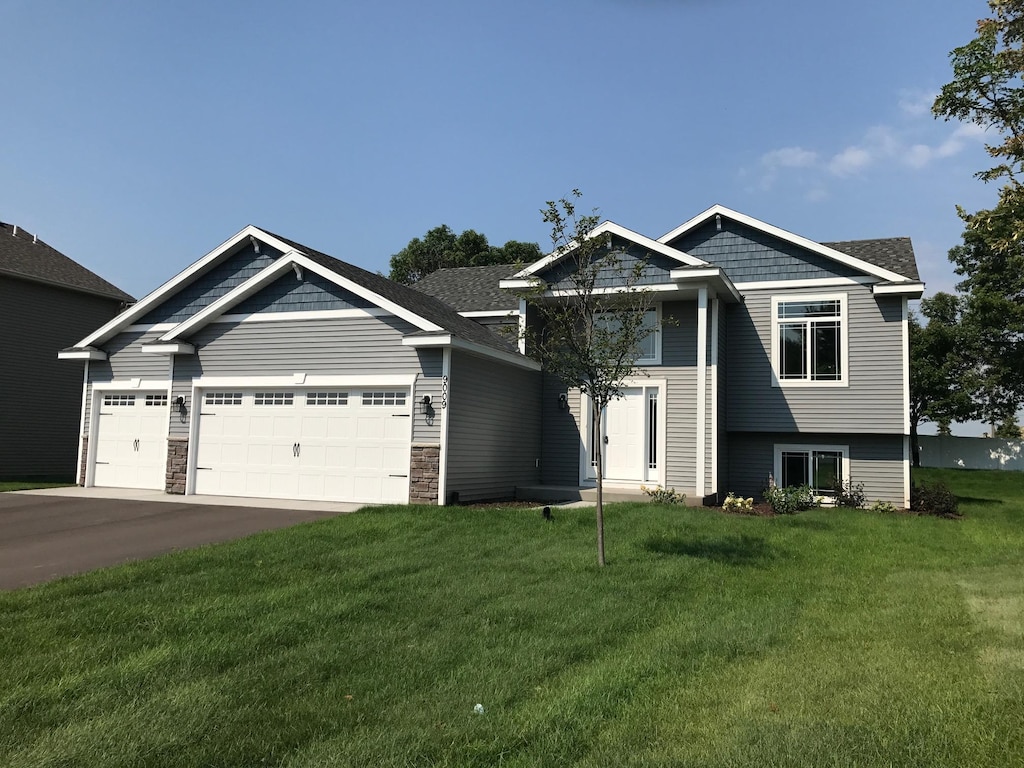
x: 971, y: 452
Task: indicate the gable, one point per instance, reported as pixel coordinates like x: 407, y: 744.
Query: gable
x: 312, y: 293
x: 217, y: 282
x: 657, y: 267
x: 750, y: 255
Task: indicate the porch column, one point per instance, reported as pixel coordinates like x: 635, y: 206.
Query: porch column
x: 702, y: 390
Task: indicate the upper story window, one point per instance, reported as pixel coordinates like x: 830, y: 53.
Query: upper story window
x: 809, y: 340
x: 650, y: 346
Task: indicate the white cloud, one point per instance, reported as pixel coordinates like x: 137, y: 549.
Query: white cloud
x: 850, y: 161
x: 789, y: 157
x: 917, y: 103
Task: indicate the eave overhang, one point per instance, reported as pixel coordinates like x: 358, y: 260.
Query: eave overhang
x: 912, y: 290
x: 84, y: 353
x: 446, y: 340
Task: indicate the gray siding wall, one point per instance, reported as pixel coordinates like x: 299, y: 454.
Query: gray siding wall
x: 875, y: 460
x: 873, y: 401
x: 722, y: 458
x: 354, y: 346
x: 494, y: 428
x: 749, y: 255
x: 41, y: 396
x: 125, y: 360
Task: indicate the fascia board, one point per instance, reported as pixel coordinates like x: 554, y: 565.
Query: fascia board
x: 712, y: 274
x: 82, y: 354
x: 910, y: 290
x: 150, y: 300
x: 449, y: 341
x: 520, y: 283
x: 440, y: 340
x: 171, y: 348
x: 782, y: 234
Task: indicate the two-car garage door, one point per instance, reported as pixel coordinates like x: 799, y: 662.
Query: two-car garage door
x: 303, y: 443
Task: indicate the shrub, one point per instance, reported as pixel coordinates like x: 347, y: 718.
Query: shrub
x: 883, y: 508
x: 933, y: 499
x: 786, y: 501
x: 850, y: 495
x: 734, y: 503
x: 661, y: 495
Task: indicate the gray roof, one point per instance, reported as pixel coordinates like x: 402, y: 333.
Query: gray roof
x: 471, y: 289
x: 893, y: 253
x: 422, y: 304
x: 23, y: 255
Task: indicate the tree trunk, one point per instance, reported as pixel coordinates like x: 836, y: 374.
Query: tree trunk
x: 599, y: 458
x: 915, y: 449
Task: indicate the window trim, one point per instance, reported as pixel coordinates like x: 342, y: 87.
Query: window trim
x: 844, y: 338
x: 656, y: 358
x: 810, y: 449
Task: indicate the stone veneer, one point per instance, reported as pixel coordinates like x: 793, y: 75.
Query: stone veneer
x: 85, y: 461
x: 424, y: 472
x: 177, y: 464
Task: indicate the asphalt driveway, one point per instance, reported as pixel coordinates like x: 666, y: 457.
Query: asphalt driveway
x: 44, y: 537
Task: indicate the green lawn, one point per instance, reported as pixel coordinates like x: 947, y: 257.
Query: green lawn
x: 27, y: 485
x: 830, y: 638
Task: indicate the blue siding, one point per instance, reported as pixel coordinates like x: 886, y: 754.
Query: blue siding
x: 209, y: 287
x: 656, y: 269
x: 748, y: 255
x: 289, y: 294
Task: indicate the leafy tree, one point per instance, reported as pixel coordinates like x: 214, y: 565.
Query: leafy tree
x: 1009, y: 429
x: 591, y: 339
x: 441, y: 248
x: 943, y: 369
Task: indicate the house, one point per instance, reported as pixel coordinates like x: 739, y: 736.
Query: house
x: 269, y: 369
x: 47, y: 301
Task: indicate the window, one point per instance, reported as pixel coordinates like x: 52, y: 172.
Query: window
x: 273, y: 398
x: 822, y: 467
x: 809, y: 340
x: 383, y: 398
x: 650, y: 345
x: 119, y: 400
x: 157, y: 400
x: 223, y: 398
x: 327, y: 398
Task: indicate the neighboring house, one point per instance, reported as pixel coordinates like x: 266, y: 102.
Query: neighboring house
x: 47, y: 301
x: 270, y: 369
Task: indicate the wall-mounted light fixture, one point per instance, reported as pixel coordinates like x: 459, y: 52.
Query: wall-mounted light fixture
x: 563, y: 402
x: 179, y: 403
x: 426, y: 403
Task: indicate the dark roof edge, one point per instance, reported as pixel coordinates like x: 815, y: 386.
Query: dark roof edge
x: 116, y: 294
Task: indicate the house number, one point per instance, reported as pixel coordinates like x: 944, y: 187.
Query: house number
x: 444, y: 391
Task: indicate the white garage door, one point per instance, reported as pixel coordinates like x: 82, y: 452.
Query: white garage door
x: 130, y: 441
x: 322, y: 444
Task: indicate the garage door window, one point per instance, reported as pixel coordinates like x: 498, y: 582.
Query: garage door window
x: 383, y: 398
x: 116, y: 400
x: 327, y: 398
x: 273, y: 398
x: 223, y: 398
x: 156, y: 400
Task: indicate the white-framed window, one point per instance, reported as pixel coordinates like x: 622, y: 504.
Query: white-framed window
x: 822, y: 467
x: 118, y: 400
x: 273, y: 398
x: 222, y: 398
x: 650, y: 346
x: 327, y: 398
x: 156, y: 400
x: 809, y: 340
x: 384, y: 398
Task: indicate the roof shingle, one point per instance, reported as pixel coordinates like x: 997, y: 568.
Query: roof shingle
x: 895, y: 254
x: 471, y: 289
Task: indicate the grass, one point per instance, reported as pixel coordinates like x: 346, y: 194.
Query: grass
x: 28, y: 485
x: 829, y: 638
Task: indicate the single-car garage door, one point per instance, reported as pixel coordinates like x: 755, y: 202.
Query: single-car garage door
x: 130, y: 440
x: 323, y: 444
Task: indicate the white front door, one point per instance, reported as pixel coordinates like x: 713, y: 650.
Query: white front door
x: 624, y: 430
x: 130, y: 440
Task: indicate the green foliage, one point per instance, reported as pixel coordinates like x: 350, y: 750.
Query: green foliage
x: 788, y: 501
x: 883, y: 508
x: 734, y: 503
x: 850, y: 494
x: 934, y: 499
x: 441, y: 248
x: 1009, y: 429
x: 661, y: 495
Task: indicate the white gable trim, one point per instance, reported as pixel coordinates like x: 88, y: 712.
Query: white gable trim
x: 803, y: 242
x: 910, y: 290
x: 82, y: 354
x: 491, y: 313
x: 152, y: 299
x: 609, y: 227
x: 447, y: 341
x: 272, y: 273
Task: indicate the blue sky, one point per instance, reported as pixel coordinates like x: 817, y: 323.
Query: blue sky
x: 138, y: 136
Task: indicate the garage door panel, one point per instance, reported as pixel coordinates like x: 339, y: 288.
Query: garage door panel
x: 259, y: 426
x: 396, y: 428
x: 339, y: 427
x: 129, y: 445
x: 339, y: 457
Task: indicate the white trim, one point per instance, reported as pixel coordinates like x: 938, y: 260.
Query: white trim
x: 520, y: 284
x: 709, y: 273
x: 911, y: 290
x: 844, y: 333
x: 442, y: 461
x: 171, y: 348
x: 125, y: 385
x: 803, y: 242
x: 436, y: 340
x: 82, y: 354
x: 310, y: 381
x: 272, y: 273
x: 522, y: 326
x: 702, y: 392
x: 315, y: 314
x: 906, y: 471
x: 150, y: 300
x: 905, y: 362
x: 491, y: 313
x: 452, y: 342
x: 655, y: 288
x: 716, y: 306
x: 81, y: 426
x: 817, y: 282
x: 122, y: 385
x: 606, y: 227
x: 148, y: 328
x: 780, y: 448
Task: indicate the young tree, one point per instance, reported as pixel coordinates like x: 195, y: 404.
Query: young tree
x: 441, y: 248
x: 943, y: 369
x: 591, y: 336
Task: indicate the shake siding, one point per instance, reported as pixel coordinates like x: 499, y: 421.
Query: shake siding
x: 494, y: 432
x: 125, y: 360
x: 656, y: 268
x: 873, y: 401
x: 342, y: 347
x: 289, y: 294
x: 875, y: 460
